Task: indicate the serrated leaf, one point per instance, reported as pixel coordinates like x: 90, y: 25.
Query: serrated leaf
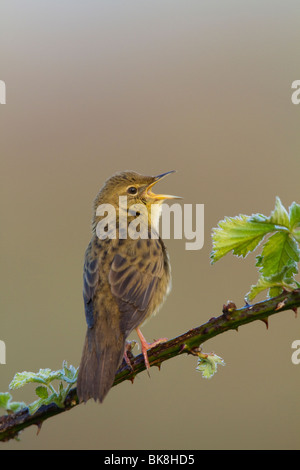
x: 69, y: 373
x: 48, y: 375
x: 275, y: 283
x: 259, y: 218
x: 261, y: 285
x: 294, y: 216
x: 279, y: 251
x: 34, y: 406
x: 5, y: 398
x: 240, y: 234
x: 59, y: 399
x: 278, y: 262
x: 44, y: 376
x: 279, y: 215
x: 7, y: 404
x: 207, y: 364
x: 22, y: 378
x: 15, y: 406
x: 296, y: 234
x: 42, y: 391
x: 274, y: 291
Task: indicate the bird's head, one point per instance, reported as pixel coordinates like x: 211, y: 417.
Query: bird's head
x: 138, y: 191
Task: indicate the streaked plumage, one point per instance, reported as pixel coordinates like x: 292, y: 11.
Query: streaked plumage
x: 125, y: 281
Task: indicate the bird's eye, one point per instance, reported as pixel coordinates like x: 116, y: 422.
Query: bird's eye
x: 132, y: 190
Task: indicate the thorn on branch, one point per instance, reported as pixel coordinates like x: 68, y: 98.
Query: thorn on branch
x: 295, y: 310
x: 266, y: 322
x: 39, y: 427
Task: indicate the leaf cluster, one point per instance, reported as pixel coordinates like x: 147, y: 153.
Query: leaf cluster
x: 45, y: 391
x: 208, y: 364
x: 278, y: 262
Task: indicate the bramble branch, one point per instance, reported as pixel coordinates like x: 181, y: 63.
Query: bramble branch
x: 189, y: 342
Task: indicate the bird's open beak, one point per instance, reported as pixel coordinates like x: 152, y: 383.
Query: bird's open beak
x: 160, y: 197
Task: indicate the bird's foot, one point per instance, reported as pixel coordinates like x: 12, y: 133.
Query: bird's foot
x: 128, y: 356
x: 145, y: 346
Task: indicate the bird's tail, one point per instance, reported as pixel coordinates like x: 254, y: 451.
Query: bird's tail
x: 101, y: 357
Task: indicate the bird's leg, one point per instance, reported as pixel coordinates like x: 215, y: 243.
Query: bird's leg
x: 145, y: 346
x: 127, y: 360
x: 128, y: 356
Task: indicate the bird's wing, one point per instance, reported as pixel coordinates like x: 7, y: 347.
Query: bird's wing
x: 90, y: 282
x: 134, y: 275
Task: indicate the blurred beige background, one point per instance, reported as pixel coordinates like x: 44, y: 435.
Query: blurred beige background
x: 94, y: 87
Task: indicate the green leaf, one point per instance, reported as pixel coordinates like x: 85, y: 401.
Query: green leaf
x: 207, y: 364
x: 261, y: 285
x: 69, y: 374
x: 42, y: 391
x: 53, y: 398
x: 279, y: 251
x: 15, y: 406
x: 22, y: 378
x: 33, y: 407
x: 240, y: 234
x: 294, y: 216
x: 274, y: 283
x: 279, y: 216
x: 7, y: 404
x: 44, y: 376
x: 278, y: 261
x: 274, y: 291
x: 296, y: 234
x: 5, y: 399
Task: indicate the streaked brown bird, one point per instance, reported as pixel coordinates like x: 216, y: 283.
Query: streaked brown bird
x: 125, y: 280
